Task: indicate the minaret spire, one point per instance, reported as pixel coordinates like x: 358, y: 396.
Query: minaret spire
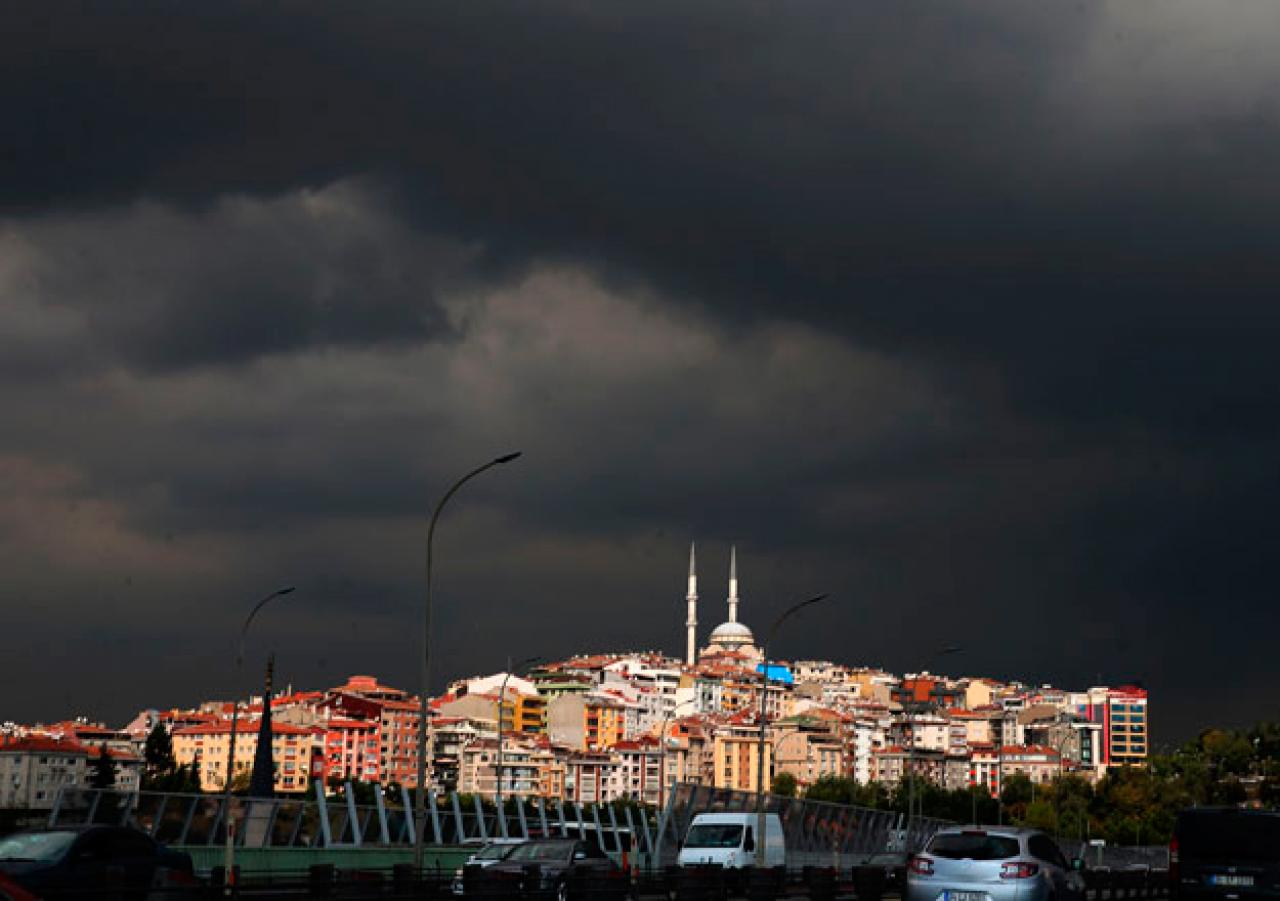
x: 733, y: 584
x: 691, y: 623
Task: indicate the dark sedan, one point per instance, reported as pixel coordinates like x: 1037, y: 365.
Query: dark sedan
x: 109, y: 861
x: 559, y: 864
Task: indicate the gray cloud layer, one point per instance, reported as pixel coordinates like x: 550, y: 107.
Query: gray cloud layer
x: 963, y: 312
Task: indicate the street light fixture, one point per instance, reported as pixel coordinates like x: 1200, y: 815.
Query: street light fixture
x: 502, y: 698
x: 420, y: 812
x: 764, y: 690
x: 229, y: 857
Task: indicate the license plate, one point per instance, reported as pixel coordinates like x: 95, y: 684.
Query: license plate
x: 963, y: 896
x: 1219, y: 879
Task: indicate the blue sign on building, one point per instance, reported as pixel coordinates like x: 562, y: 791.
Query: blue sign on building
x: 777, y: 673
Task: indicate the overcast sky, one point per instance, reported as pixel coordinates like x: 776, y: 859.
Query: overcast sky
x: 964, y: 312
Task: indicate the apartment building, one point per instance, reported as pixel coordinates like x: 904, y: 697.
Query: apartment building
x: 207, y: 748
x: 33, y: 769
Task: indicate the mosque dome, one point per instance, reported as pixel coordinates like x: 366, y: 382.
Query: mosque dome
x: 732, y: 634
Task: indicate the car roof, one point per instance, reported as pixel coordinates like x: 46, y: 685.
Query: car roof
x: 1010, y: 831
x: 78, y: 827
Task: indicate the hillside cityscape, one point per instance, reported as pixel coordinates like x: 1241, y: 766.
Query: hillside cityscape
x: 608, y: 726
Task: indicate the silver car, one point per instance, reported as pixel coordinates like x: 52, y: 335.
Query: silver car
x: 992, y: 863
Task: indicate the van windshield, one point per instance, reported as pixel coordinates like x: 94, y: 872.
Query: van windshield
x: 1223, y: 835
x: 973, y: 846
x: 714, y: 835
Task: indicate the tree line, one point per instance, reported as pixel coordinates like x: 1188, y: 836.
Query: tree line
x: 1128, y: 806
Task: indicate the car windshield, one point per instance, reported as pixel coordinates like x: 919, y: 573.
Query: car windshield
x: 494, y: 852
x: 36, y: 845
x: 541, y: 851
x: 1226, y: 835
x: 714, y: 835
x: 973, y: 846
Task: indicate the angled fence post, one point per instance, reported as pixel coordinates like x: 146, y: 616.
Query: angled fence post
x: 434, y: 809
x: 595, y: 817
x: 159, y: 815
x: 484, y: 827
x: 57, y: 806
x: 542, y: 816
x: 383, y: 829
x: 524, y: 823
x: 613, y: 824
x: 409, y: 827
x: 186, y: 821
x: 459, y: 825
x: 352, y: 816
x: 326, y: 833
x: 636, y: 838
x: 219, y: 817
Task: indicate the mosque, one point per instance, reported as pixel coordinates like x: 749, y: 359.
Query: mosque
x: 730, y: 638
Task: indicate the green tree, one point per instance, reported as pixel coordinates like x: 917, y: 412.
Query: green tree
x: 1041, y: 814
x: 157, y: 755
x: 1015, y: 795
x: 784, y: 784
x: 103, y: 773
x: 833, y: 789
x: 240, y: 782
x: 182, y: 778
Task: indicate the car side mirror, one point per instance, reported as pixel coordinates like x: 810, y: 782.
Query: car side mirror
x: 749, y: 844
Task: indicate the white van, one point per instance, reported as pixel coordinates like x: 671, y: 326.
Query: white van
x: 729, y: 839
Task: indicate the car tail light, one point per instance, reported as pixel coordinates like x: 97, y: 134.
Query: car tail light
x: 168, y: 877
x: 920, y: 865
x: 1173, y: 860
x: 1018, y: 870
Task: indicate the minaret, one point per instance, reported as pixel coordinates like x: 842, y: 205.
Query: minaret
x: 733, y: 584
x: 691, y: 623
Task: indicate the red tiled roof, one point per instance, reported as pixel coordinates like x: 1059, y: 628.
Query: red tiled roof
x: 225, y: 729
x: 42, y: 743
x: 351, y: 724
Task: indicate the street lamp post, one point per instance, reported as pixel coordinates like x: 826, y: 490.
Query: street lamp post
x: 662, y: 748
x: 229, y: 858
x: 1004, y: 717
x: 420, y: 812
x: 911, y: 746
x: 502, y: 698
x: 764, y: 690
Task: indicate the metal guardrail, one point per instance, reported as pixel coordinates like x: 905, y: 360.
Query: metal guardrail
x: 817, y: 833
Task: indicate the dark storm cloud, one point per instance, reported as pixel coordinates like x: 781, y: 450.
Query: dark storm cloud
x: 233, y: 281
x: 944, y: 179
x: 965, y: 310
